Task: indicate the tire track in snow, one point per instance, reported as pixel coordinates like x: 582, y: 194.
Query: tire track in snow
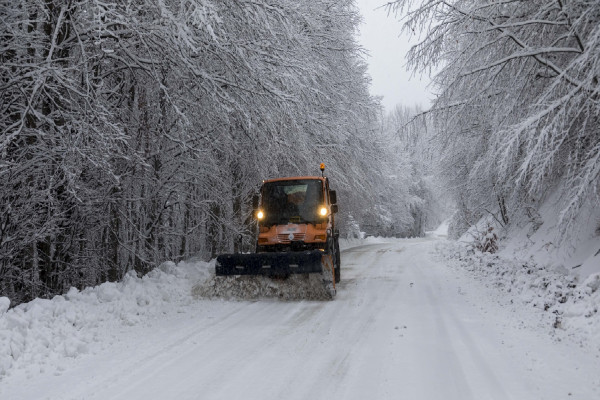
x: 469, y: 355
x: 144, y: 369
x: 335, y: 340
x: 244, y: 357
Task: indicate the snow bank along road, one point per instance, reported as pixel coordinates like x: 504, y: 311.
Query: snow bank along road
x: 403, y: 326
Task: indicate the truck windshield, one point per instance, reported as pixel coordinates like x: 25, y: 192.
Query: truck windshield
x: 293, y: 201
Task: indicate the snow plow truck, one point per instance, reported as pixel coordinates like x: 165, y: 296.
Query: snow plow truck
x: 297, y: 233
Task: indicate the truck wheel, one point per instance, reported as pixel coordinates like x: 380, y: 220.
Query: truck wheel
x: 333, y: 248
x: 337, y: 261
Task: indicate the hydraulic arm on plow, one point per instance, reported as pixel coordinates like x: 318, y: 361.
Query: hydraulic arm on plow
x: 297, y: 232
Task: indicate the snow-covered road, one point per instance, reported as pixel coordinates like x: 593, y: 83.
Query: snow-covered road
x: 403, y: 326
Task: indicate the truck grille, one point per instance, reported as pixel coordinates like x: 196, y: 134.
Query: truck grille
x: 285, y: 237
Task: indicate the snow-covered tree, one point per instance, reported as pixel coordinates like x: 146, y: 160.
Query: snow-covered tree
x: 411, y: 190
x: 132, y: 133
x: 518, y: 101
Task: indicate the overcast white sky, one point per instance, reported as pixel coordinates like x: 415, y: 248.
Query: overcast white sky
x: 381, y: 36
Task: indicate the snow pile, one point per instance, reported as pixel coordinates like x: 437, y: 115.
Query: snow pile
x: 568, y: 306
x: 295, y: 287
x: 355, y: 242
x: 538, y: 238
x: 40, y: 331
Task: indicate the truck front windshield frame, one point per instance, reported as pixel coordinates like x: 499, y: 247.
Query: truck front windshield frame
x: 293, y: 201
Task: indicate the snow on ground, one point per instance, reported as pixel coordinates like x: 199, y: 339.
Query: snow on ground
x: 413, y: 318
x: 535, y: 239
x: 349, y: 243
x: 567, y: 309
x: 44, y: 334
x: 537, y: 242
x: 533, y: 268
x: 441, y: 231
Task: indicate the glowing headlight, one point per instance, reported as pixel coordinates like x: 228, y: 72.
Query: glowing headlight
x: 260, y: 215
x: 323, y: 211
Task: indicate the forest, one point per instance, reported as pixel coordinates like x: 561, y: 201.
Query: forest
x: 134, y: 132
x: 517, y: 109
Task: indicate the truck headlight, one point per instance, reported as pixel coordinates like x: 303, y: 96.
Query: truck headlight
x: 323, y: 211
x: 260, y: 215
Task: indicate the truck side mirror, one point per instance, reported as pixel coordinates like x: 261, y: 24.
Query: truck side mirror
x: 334, y: 208
x: 333, y: 196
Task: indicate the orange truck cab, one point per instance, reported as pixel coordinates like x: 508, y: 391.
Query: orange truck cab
x: 296, y: 214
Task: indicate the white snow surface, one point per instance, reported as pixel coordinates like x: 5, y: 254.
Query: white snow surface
x: 413, y: 318
x: 577, y: 255
x: 535, y: 240
x: 44, y: 335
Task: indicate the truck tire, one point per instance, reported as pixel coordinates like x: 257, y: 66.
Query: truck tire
x: 337, y: 261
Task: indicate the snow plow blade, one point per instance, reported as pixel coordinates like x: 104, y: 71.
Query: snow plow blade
x: 275, y: 264
x: 303, y: 275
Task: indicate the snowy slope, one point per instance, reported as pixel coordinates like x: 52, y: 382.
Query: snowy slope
x: 536, y: 239
x: 577, y: 255
x: 404, y: 324
x: 43, y: 335
x: 567, y: 309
